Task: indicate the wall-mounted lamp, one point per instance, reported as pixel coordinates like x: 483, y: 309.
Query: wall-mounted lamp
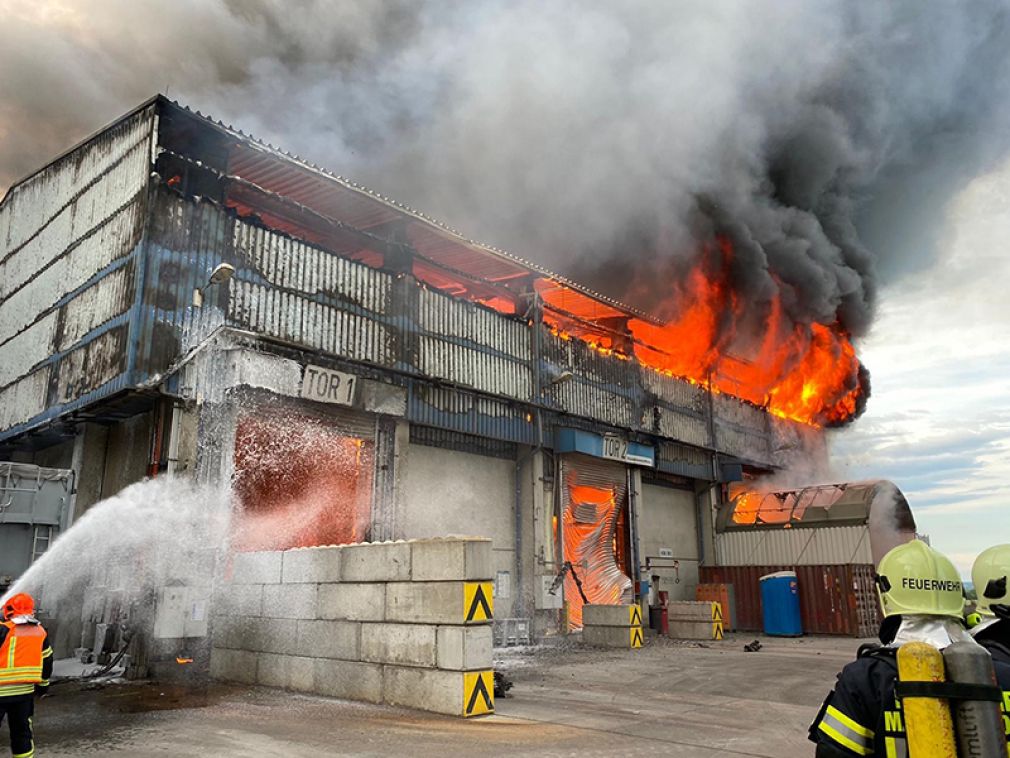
x: 222, y: 272
x: 564, y: 376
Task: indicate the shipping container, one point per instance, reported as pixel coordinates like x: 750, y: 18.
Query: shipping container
x: 34, y: 509
x: 838, y: 599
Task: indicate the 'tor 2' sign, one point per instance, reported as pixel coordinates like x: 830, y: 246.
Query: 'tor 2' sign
x: 328, y: 386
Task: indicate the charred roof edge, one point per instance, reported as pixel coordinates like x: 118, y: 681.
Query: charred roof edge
x: 156, y: 99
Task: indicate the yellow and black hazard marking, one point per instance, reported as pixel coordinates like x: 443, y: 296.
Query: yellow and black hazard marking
x: 717, y: 611
x: 478, y: 693
x: 717, y: 630
x: 635, y: 615
x: 478, y: 602
x: 636, y: 636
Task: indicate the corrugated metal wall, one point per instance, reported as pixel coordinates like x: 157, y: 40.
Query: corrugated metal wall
x: 69, y: 240
x: 833, y: 599
x: 304, y: 295
x: 794, y: 547
x: 626, y: 394
x: 467, y: 344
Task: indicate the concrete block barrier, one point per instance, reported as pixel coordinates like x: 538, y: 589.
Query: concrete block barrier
x: 695, y: 630
x: 407, y: 644
x: 352, y: 602
x: 290, y: 601
x: 233, y: 665
x: 454, y: 693
x: 405, y: 623
x: 311, y: 565
x: 240, y: 600
x: 629, y: 637
x: 350, y: 680
x: 690, y: 610
x: 330, y: 639
x: 379, y: 562
x: 612, y: 615
x: 696, y: 620
x: 444, y: 560
x: 286, y: 671
x: 256, y: 568
x: 464, y: 648
x: 440, y: 602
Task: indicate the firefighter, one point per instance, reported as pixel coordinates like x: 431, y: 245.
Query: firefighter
x: 922, y: 600
x: 991, y: 622
x: 26, y: 663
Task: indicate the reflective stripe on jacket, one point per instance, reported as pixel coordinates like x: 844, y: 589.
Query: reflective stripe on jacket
x: 862, y: 716
x: 22, y: 654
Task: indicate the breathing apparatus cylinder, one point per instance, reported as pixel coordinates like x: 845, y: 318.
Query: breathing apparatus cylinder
x: 979, y: 723
x: 929, y: 726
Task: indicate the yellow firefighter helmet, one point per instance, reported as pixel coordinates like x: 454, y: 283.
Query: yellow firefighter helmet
x: 915, y: 579
x: 989, y: 575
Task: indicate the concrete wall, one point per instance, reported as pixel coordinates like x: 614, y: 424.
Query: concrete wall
x: 668, y: 520
x: 446, y: 492
x: 128, y: 453
x: 57, y: 456
x: 89, y: 465
x: 394, y: 622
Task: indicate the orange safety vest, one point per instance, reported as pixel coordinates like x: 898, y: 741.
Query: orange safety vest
x: 21, y: 655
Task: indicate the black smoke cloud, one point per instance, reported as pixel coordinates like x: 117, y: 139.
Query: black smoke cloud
x: 605, y: 138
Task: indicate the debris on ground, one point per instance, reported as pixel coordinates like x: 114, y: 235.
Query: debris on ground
x: 502, y: 684
x: 752, y: 647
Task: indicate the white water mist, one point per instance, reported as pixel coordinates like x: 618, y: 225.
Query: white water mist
x: 154, y: 533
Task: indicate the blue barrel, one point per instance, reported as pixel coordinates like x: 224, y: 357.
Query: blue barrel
x: 780, y: 604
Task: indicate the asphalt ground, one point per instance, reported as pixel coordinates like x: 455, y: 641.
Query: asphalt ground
x: 669, y: 698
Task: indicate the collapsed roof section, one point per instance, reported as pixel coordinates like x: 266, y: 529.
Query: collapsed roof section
x: 843, y: 504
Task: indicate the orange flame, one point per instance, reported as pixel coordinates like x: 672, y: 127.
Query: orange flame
x: 183, y: 661
x: 803, y: 372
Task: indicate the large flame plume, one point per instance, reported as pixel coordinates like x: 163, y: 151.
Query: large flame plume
x: 714, y: 337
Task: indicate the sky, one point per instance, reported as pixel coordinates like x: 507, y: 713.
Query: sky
x: 938, y: 421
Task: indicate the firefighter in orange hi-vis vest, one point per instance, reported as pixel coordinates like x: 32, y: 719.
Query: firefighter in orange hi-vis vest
x: 26, y: 663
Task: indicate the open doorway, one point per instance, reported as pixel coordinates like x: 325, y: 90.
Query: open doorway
x: 301, y: 481
x: 595, y: 534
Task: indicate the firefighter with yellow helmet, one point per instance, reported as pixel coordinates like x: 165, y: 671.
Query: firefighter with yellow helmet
x: 991, y: 622
x: 923, y: 600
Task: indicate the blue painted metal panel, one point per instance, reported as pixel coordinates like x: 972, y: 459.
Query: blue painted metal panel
x: 468, y: 413
x: 567, y: 440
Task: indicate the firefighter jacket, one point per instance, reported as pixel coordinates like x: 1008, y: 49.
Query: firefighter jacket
x: 996, y: 639
x: 26, y: 659
x: 862, y: 716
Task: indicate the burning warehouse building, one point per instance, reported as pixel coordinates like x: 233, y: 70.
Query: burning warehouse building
x: 180, y: 298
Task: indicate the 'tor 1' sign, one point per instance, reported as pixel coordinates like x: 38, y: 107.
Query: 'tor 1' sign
x: 328, y: 386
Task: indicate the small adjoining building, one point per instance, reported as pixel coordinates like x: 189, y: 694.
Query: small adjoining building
x: 831, y: 535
